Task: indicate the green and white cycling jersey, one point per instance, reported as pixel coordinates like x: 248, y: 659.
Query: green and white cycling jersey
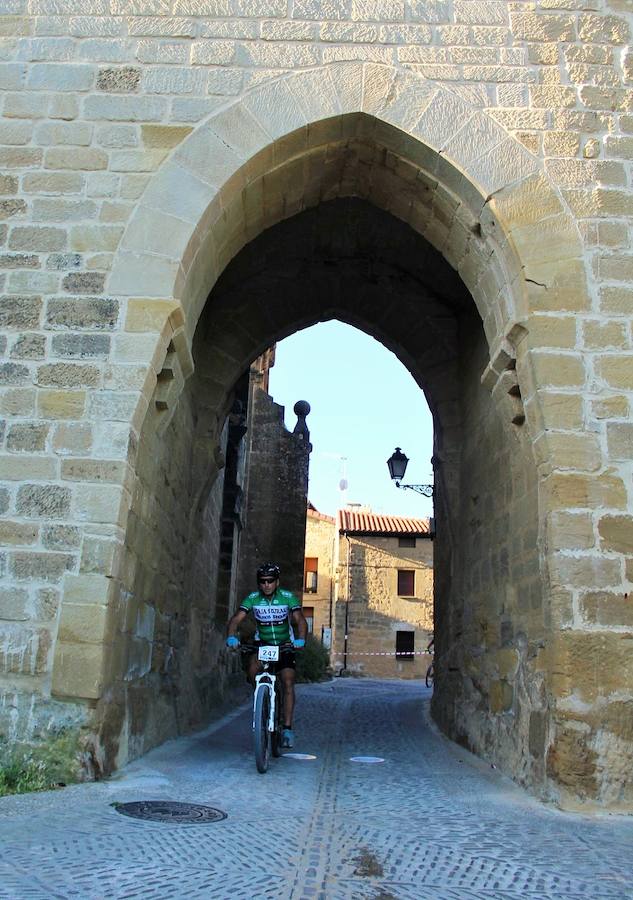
x: 272, y: 615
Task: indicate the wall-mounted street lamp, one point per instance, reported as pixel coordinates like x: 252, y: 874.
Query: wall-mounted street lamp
x: 397, y: 464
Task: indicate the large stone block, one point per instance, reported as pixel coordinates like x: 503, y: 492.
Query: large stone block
x: 150, y: 315
x: 78, y: 670
x: 32, y: 566
x: 69, y: 77
x: 14, y: 373
x: 616, y: 370
x: 17, y: 533
x: 89, y: 313
x: 83, y: 624
x: 24, y: 651
x: 29, y: 346
x: 99, y: 556
x: 81, y: 346
x: 61, y: 537
x: 558, y: 369
x: 27, y: 468
x: 571, y: 760
x: 100, y: 503
x: 110, y: 471
x: 14, y: 604
x: 72, y: 438
x: 88, y: 590
x: 18, y: 402
x: 124, y: 80
x: 590, y: 665
x: 84, y: 283
x: 584, y: 491
x: 68, y: 375
x: 607, y: 609
x: 620, y: 435
x: 562, y: 450
x: 20, y: 312
x: 29, y: 437
x: 43, y: 501
x: 40, y: 239
x: 570, y: 531
x: 616, y: 533
x: 61, y: 404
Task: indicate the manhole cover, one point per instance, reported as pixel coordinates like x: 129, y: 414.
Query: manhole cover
x: 366, y: 759
x: 171, y: 811
x: 299, y: 756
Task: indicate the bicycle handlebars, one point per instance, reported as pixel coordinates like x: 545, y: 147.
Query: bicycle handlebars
x: 253, y: 648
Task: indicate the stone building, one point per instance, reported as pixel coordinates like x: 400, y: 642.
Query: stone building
x: 319, y: 575
x: 384, y: 596
x: 185, y: 182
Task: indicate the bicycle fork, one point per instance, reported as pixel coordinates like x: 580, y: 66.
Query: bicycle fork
x: 265, y: 682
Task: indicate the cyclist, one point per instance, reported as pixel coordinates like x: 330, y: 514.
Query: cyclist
x: 276, y: 611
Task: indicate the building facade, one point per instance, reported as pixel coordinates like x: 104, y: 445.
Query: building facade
x: 320, y: 574
x: 384, y: 597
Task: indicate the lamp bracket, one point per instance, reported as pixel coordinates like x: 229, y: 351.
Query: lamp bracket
x: 426, y: 489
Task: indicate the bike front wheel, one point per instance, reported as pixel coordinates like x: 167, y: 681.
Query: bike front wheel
x: 260, y: 728
x: 430, y: 675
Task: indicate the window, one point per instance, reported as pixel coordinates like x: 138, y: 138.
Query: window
x: 406, y: 541
x: 308, y: 612
x: 405, y: 644
x: 406, y: 582
x: 311, y: 577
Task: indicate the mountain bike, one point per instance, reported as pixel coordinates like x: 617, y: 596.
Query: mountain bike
x: 268, y: 704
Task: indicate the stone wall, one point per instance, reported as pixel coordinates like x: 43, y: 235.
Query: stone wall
x: 490, y: 634
x: 275, y: 520
x: 143, y: 145
x: 320, y: 545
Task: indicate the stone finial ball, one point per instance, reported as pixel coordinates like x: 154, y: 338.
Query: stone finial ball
x: 301, y: 408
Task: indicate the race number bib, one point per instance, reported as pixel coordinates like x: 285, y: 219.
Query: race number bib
x: 268, y: 654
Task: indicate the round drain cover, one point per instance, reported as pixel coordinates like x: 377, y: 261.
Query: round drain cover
x: 171, y: 811
x: 298, y: 756
x: 366, y: 759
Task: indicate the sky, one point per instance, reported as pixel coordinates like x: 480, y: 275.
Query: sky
x: 364, y: 404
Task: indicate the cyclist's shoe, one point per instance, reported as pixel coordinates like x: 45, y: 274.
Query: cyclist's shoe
x: 287, y: 739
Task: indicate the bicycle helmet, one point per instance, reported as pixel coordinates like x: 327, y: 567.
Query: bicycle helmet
x: 269, y: 569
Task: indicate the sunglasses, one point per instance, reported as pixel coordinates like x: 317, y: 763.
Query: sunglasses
x: 267, y: 580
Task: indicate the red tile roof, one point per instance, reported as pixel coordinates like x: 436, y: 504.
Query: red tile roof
x: 315, y: 514
x: 370, y: 523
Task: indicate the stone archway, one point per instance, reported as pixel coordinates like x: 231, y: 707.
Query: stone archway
x: 423, y: 154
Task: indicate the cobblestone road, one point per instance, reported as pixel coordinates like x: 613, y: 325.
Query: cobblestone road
x: 428, y: 822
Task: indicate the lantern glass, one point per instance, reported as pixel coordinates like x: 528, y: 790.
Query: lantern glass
x: 397, y: 464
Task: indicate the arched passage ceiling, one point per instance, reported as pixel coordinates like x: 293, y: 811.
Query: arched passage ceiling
x: 348, y: 260
x: 344, y: 259
x: 357, y: 156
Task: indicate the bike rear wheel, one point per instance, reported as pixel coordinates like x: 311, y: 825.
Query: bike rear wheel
x: 430, y: 675
x: 261, y: 733
x: 279, y: 722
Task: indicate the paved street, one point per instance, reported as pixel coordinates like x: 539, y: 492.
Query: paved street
x: 428, y: 822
